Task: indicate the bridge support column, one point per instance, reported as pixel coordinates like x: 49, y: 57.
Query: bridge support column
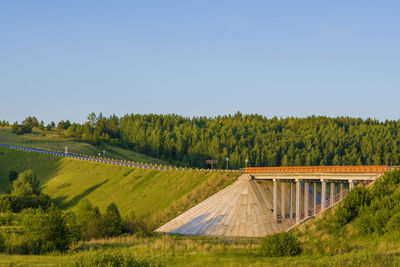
x: 283, y: 194
x: 341, y: 190
x: 332, y: 193
x: 306, y: 198
x: 291, y: 210
x: 314, y: 198
x: 275, y: 198
x: 298, y: 189
x: 351, y: 184
x: 323, y: 194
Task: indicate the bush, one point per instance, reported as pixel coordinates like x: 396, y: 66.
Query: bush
x: 2, y: 243
x: 18, y: 203
x: 108, y: 258
x: 350, y: 206
x: 133, y: 225
x: 45, y: 231
x: 393, y: 224
x: 386, y: 184
x: 280, y: 245
x: 94, y: 224
x: 19, y: 244
x: 111, y: 221
x: 5, y: 204
x: 26, y: 184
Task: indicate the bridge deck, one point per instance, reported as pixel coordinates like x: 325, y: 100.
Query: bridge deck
x: 334, y: 173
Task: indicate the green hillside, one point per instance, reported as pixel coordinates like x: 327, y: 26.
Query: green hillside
x: 158, y: 195
x: 51, y: 140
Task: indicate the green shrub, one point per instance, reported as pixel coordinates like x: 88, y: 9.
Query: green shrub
x: 111, y: 221
x: 18, y: 203
x: 364, y: 223
x: 26, y: 184
x: 45, y: 231
x: 280, y: 245
x: 386, y: 184
x: 5, y: 204
x: 348, y: 209
x: 109, y: 258
x: 132, y: 225
x: 16, y: 243
x: 2, y: 243
x: 94, y: 224
x: 393, y: 225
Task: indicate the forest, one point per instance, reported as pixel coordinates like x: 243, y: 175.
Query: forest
x: 184, y: 141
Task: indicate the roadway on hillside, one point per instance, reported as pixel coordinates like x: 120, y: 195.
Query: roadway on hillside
x: 100, y: 160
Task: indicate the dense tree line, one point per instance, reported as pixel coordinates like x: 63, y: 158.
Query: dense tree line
x: 264, y: 141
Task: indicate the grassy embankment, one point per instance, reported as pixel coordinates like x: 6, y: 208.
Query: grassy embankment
x: 155, y: 194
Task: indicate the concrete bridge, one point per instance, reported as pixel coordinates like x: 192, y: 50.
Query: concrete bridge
x: 299, y: 179
x: 265, y: 200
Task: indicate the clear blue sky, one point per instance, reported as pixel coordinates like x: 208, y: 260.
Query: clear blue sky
x: 64, y: 59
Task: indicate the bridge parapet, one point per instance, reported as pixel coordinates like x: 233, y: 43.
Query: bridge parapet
x: 318, y: 169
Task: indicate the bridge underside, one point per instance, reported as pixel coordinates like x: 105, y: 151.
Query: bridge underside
x: 268, y: 200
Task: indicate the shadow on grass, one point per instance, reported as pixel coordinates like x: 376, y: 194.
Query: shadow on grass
x: 75, y: 200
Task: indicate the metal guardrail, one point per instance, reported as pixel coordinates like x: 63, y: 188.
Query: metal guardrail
x: 108, y: 161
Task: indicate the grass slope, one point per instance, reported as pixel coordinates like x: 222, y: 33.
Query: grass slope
x: 51, y: 140
x: 159, y: 195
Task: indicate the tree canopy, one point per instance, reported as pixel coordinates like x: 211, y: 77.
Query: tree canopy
x: 263, y: 141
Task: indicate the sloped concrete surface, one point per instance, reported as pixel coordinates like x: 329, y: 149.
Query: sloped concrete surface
x: 243, y: 209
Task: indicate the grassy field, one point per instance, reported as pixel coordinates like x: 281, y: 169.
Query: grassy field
x: 50, y: 140
x: 192, y: 251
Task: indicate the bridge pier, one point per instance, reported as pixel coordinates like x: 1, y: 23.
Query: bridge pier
x: 306, y: 198
x: 291, y: 211
x: 314, y: 198
x: 341, y: 190
x: 298, y: 185
x: 332, y: 193
x: 274, y: 200
x: 283, y: 194
x: 351, y: 184
x: 323, y: 194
